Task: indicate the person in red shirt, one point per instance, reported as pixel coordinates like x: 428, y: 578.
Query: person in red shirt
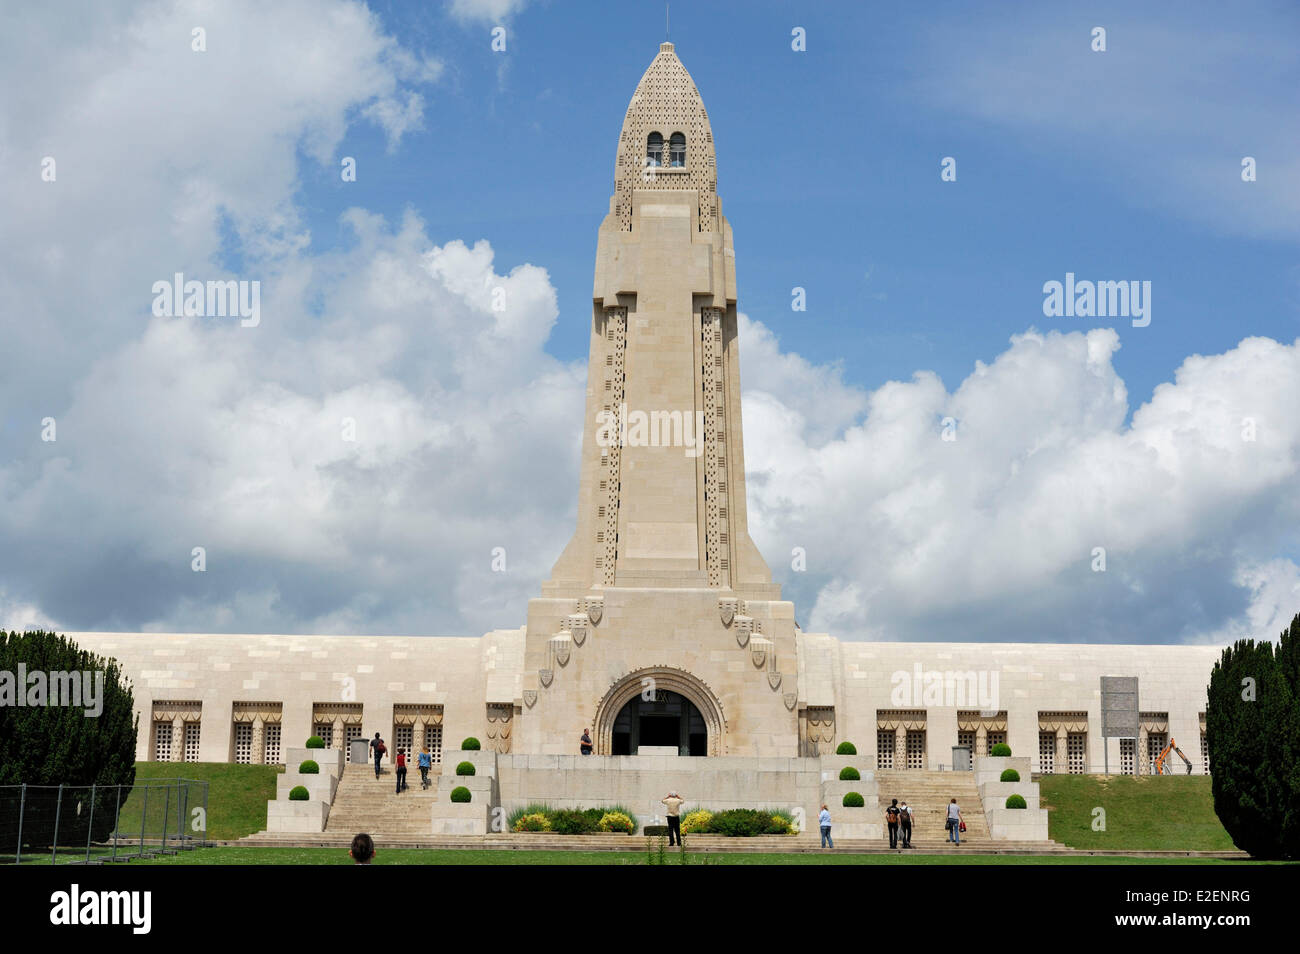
x: 401, y: 770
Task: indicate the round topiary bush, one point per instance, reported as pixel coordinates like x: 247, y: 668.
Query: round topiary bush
x: 1016, y: 801
x: 1001, y: 751
x: 460, y: 794
x: 846, y: 748
x: 465, y: 768
x: 698, y: 820
x: 1010, y: 775
x: 315, y: 742
x: 616, y: 821
x: 309, y: 767
x: 533, y: 822
x: 853, y: 800
x: 470, y: 745
x: 299, y: 793
x: 850, y: 774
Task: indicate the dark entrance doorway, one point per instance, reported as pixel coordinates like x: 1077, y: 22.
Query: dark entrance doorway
x: 666, y: 718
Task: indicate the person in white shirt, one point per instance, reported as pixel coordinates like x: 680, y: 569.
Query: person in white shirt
x: 824, y: 820
x: 954, y: 822
x: 905, y: 824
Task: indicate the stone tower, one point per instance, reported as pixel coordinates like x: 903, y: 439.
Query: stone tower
x: 661, y: 604
x: 662, y: 492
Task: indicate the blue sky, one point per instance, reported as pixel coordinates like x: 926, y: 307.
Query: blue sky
x: 829, y: 169
x: 480, y: 169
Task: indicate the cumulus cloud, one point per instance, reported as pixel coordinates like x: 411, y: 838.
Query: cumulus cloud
x: 995, y: 533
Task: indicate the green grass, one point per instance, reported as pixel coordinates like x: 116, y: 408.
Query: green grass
x: 1169, y: 813
x: 237, y: 794
x: 404, y: 856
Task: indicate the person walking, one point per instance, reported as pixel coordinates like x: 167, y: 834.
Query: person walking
x: 954, y: 822
x: 584, y: 743
x: 425, y: 761
x: 401, y: 770
x: 378, y: 747
x: 905, y: 823
x: 891, y: 817
x: 824, y: 820
x: 673, y: 802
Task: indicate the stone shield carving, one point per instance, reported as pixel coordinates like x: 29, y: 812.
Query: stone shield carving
x: 561, y: 646
x: 744, y: 627
x: 577, y: 624
x: 594, y: 607
x: 774, y: 680
x: 790, y: 699
x: 545, y: 676
x: 727, y: 609
x: 530, y: 697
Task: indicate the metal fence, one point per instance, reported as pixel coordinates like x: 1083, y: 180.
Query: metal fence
x: 95, y: 824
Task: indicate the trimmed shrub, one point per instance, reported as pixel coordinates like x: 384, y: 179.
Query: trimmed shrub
x: 780, y: 826
x: 309, y: 767
x: 465, y: 768
x: 460, y: 794
x: 616, y: 821
x: 849, y: 774
x: 698, y: 820
x: 1016, y: 801
x: 746, y: 822
x: 470, y: 745
x: 569, y: 821
x: 1010, y: 775
x: 853, y: 800
x: 1001, y: 751
x: 299, y: 793
x: 315, y: 742
x: 534, y: 822
x: 846, y: 748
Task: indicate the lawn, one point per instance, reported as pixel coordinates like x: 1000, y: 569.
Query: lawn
x: 1168, y: 813
x: 400, y: 856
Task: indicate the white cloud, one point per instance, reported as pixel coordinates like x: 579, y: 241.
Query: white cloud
x: 992, y: 535
x: 485, y: 11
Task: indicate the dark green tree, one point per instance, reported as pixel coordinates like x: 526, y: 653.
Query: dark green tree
x: 51, y: 745
x: 1252, y: 728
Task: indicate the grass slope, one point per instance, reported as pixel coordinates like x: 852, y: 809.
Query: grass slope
x: 237, y: 794
x: 1156, y: 813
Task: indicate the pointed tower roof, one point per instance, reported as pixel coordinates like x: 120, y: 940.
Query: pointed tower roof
x: 667, y: 102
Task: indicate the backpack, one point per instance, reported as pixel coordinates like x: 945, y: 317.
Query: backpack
x: 381, y: 748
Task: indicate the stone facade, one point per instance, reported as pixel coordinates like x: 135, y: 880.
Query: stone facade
x: 660, y: 595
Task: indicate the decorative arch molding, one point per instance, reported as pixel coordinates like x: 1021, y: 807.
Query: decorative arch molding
x: 629, y: 686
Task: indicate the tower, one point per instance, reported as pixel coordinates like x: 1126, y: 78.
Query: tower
x: 661, y: 628
x: 662, y: 485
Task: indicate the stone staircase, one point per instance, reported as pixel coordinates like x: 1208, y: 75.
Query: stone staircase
x: 365, y: 803
x: 928, y: 795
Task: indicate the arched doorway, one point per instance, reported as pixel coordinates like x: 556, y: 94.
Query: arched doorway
x: 659, y: 717
x: 659, y: 707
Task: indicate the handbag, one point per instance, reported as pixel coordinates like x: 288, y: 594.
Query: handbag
x: 947, y: 824
x: 962, y: 827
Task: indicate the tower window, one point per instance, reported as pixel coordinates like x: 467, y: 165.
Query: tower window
x: 654, y: 150
x: 677, y: 150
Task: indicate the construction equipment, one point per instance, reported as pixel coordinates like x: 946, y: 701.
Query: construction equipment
x: 1162, y: 768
